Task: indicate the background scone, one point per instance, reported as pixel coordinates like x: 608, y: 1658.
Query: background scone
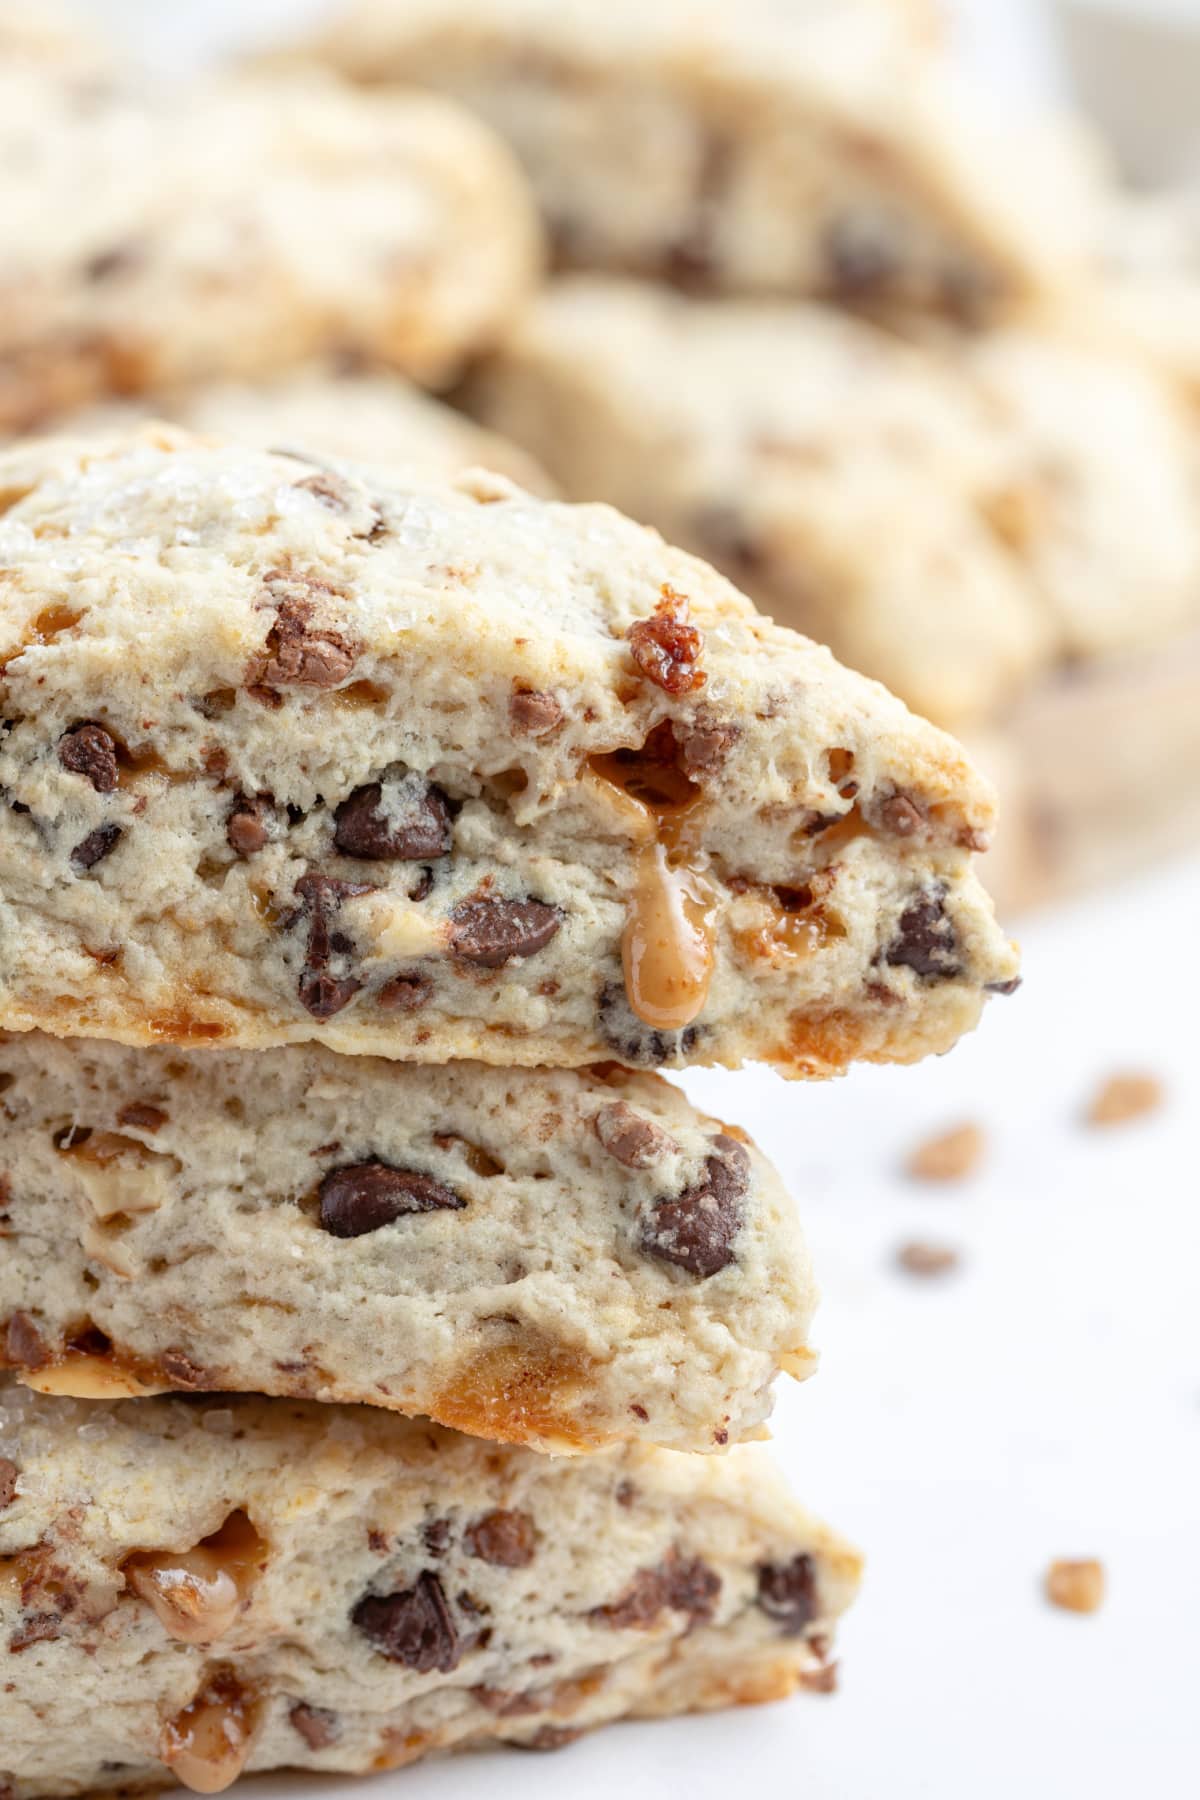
x: 536, y: 1256
x: 955, y: 519
x: 137, y: 255
x: 365, y: 415
x: 813, y: 148
x: 265, y: 1584
x: 440, y: 770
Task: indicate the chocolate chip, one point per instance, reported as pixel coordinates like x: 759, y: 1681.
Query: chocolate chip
x: 411, y: 822
x: 119, y: 260
x: 141, y: 1116
x: 504, y: 1539
x: 322, y: 992
x: 666, y: 648
x: 723, y: 530
x: 183, y: 1372
x: 696, y: 1230
x: 95, y: 847
x: 546, y: 1737
x: 926, y: 941
x: 435, y: 1535
x: 490, y: 932
x: 414, y: 1627
x: 787, y: 1593
x: 404, y: 993
x: 534, y: 714
x: 249, y: 820
x: 363, y: 1197
x: 35, y: 1628
x: 8, y: 1481
x: 315, y: 1724
x: 89, y: 751
x: 632, y: 1139
x: 901, y: 816
x: 703, y: 749
x: 304, y: 648
x: 678, y: 1584
x: 324, y: 995
x: 1003, y: 987
x: 24, y: 1346
x: 861, y: 257
x: 634, y: 1042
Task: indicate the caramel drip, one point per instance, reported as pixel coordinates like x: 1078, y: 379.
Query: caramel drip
x: 206, y: 1746
x: 198, y: 1593
x: 670, y: 924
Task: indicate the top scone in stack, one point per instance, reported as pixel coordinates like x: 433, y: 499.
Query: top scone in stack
x: 370, y: 838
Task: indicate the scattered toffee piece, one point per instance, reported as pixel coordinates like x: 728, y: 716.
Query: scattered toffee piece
x: 1122, y: 1098
x: 363, y: 1197
x: 1076, y: 1585
x: 489, y: 933
x: 504, y: 1539
x: 422, y: 829
x: 666, y: 648
x: 787, y: 1593
x: 414, y: 1627
x: 926, y: 941
x: 315, y: 1724
x: 532, y: 713
x: 88, y: 750
x: 697, y: 1229
x: 631, y: 1139
x: 96, y: 846
x: 927, y: 1260
x: 952, y: 1156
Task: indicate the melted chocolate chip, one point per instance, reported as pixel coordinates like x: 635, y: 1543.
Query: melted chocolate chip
x: 8, y: 1481
x: 787, y: 1593
x: 404, y: 993
x: 304, y: 648
x: 35, y: 1628
x: 322, y: 992
x: 635, y: 1043
x: 901, y: 816
x: 414, y: 1627
x: 418, y: 828
x: 926, y: 941
x: 24, y: 1346
x: 95, y: 847
x: 504, y: 1539
x: 89, y: 751
x: 678, y: 1584
x: 365, y: 1196
x: 534, y: 714
x: 631, y: 1139
x: 315, y: 1724
x: 697, y: 1229
x: 249, y: 820
x: 435, y: 1535
x: 490, y: 932
x: 704, y: 748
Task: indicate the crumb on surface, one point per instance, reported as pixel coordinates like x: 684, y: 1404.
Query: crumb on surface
x: 1123, y: 1097
x: 951, y: 1156
x: 1076, y: 1585
x: 917, y: 1258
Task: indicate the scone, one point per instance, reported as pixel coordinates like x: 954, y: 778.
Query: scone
x: 437, y: 770
x: 542, y: 1257
x: 367, y: 415
x: 953, y: 518
x: 194, y: 1590
x: 810, y: 148
x: 139, y: 254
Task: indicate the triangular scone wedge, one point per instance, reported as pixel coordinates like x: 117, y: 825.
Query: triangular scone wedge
x: 197, y: 1590
x: 439, y: 770
x: 557, y: 1258
x: 809, y: 148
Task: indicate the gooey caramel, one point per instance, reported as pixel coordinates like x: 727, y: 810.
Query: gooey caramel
x: 207, y: 1745
x: 198, y: 1593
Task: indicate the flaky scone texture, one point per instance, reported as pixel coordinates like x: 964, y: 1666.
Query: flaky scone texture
x: 160, y: 238
x: 809, y: 148
x: 437, y: 770
x: 552, y: 1258
x: 194, y: 1590
x: 954, y: 518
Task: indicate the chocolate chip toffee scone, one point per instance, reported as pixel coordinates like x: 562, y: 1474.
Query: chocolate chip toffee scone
x: 439, y: 770
x: 955, y: 518
x: 810, y: 148
x: 193, y: 1589
x: 563, y: 1259
x: 137, y: 254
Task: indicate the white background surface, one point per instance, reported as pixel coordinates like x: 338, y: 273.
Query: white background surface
x: 1044, y: 1401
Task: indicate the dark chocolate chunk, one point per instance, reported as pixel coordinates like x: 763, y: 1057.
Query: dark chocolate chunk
x: 504, y: 1539
x: 414, y: 1627
x: 490, y: 932
x: 249, y: 822
x: 404, y: 993
x: 95, y: 847
x: 534, y: 714
x: 315, y: 1724
x: 926, y: 941
x: 89, y: 751
x: 678, y: 1584
x: 422, y: 828
x: 8, y: 1481
x: 696, y: 1230
x: 24, y: 1346
x: 364, y: 1196
x: 322, y: 991
x: 787, y: 1593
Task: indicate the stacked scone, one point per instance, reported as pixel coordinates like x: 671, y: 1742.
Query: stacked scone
x: 368, y: 842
